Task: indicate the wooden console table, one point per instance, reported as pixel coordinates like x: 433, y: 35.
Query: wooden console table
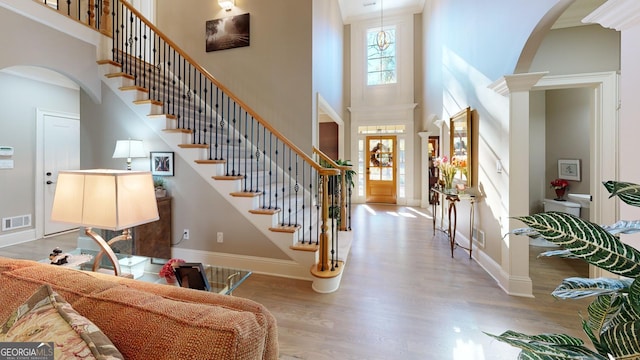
x: 439, y: 196
x: 154, y: 239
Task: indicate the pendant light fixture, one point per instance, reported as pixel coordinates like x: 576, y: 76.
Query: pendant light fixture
x: 382, y: 39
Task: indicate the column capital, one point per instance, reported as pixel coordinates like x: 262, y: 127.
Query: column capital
x: 516, y: 82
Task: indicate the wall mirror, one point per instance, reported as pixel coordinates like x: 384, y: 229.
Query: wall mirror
x: 460, y: 145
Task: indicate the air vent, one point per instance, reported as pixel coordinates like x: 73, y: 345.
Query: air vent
x: 16, y: 222
x: 366, y: 3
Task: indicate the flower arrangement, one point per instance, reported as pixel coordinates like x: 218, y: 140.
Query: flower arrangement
x: 558, y: 184
x: 460, y: 162
x: 167, y: 270
x: 447, y: 170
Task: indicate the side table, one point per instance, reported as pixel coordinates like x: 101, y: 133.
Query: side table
x: 439, y: 196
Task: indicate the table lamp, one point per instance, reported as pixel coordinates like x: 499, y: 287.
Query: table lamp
x: 106, y: 199
x: 129, y: 149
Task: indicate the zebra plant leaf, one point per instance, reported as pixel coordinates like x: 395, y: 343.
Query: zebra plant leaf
x: 525, y: 232
x: 602, y: 313
x: 578, y: 288
x: 587, y: 241
x: 623, y: 340
x: 634, y: 295
x: 623, y: 227
x: 548, y: 346
x: 627, y: 192
x: 566, y: 254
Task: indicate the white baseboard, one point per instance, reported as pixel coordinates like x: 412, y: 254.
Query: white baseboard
x: 17, y: 237
x: 515, y: 285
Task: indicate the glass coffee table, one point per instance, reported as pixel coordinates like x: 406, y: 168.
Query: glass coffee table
x: 222, y: 279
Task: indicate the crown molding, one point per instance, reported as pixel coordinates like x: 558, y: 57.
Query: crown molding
x: 616, y: 14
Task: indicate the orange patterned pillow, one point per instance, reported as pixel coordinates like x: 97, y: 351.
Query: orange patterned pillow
x: 47, y: 317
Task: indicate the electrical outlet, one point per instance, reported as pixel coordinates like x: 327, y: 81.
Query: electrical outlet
x: 220, y: 238
x: 185, y: 234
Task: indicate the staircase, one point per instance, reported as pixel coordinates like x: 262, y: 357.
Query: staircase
x: 281, y: 190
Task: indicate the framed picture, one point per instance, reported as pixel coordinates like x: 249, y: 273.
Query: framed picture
x: 192, y: 275
x: 162, y: 163
x: 569, y: 169
x: 227, y: 33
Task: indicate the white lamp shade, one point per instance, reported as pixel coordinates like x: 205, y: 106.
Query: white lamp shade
x: 126, y: 149
x: 105, y: 199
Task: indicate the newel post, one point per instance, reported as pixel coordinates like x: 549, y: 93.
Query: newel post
x: 323, y: 261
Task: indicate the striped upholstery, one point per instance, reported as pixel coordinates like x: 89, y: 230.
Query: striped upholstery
x: 149, y: 321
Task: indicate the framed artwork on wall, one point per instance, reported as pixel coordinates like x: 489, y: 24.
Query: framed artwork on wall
x: 569, y: 169
x: 162, y: 163
x: 227, y: 33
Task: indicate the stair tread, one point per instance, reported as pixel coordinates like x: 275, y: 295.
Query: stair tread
x: 211, y: 161
x: 194, y: 146
x: 285, y: 228
x: 245, y: 194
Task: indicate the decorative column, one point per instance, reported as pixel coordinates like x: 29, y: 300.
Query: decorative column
x: 515, y: 254
x: 424, y: 168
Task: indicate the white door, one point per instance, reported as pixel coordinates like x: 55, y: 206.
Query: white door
x: 61, y: 146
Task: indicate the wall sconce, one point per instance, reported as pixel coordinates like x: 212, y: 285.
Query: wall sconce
x: 227, y: 5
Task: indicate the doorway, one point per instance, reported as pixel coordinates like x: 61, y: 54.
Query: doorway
x: 381, y: 169
x: 603, y: 131
x: 58, y: 146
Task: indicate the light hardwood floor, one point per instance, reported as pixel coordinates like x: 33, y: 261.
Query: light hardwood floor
x: 402, y: 297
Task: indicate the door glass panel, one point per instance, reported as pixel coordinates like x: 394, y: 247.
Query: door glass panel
x: 387, y: 174
x: 374, y: 173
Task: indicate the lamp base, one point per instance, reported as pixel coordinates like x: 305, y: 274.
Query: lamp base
x: 105, y: 248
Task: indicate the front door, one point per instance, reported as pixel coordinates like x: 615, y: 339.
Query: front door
x: 381, y: 169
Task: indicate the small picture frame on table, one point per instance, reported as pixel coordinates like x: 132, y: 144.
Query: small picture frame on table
x: 193, y: 276
x: 162, y: 163
x: 569, y: 169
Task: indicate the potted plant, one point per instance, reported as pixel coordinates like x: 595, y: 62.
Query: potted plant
x: 158, y: 185
x: 334, y: 210
x: 559, y: 186
x: 613, y: 323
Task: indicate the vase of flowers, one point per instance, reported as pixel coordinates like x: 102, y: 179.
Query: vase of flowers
x: 560, y: 186
x: 167, y: 272
x: 447, y: 171
x: 460, y: 162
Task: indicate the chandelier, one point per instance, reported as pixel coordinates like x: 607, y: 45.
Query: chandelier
x: 382, y: 39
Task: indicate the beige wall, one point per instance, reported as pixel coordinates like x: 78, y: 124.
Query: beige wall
x: 273, y: 74
x: 567, y: 134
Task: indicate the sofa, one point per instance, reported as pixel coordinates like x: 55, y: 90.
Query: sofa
x: 143, y: 320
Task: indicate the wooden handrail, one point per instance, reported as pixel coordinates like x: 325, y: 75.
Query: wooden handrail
x: 228, y: 92
x: 331, y: 162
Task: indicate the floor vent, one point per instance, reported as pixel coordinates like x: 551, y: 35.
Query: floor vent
x: 16, y: 222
